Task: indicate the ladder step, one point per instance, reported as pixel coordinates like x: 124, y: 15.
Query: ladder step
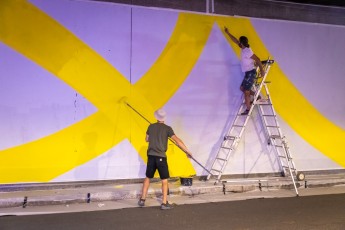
x: 286, y: 167
x: 289, y: 158
x: 229, y: 138
x: 264, y: 103
x: 238, y: 126
x: 221, y: 159
x: 272, y: 126
x: 261, y: 100
x: 275, y: 137
x: 268, y: 62
x: 216, y: 170
x: 268, y: 115
x: 225, y: 147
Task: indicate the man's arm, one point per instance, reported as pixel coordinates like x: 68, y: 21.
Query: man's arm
x: 231, y: 36
x: 147, y: 138
x: 180, y: 143
x: 258, y: 62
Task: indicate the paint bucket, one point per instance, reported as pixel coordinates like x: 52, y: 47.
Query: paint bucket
x: 186, y: 181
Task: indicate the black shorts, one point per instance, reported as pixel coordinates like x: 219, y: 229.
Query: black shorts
x: 160, y: 163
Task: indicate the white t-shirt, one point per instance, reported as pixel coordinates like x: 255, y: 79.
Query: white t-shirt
x: 247, y: 64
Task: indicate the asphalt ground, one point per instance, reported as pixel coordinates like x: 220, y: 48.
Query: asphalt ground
x: 319, y: 208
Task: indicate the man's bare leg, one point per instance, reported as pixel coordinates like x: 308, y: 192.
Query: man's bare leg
x: 145, y: 188
x: 247, y: 98
x: 164, y: 190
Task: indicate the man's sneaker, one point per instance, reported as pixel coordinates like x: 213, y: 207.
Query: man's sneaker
x: 257, y: 99
x: 166, y: 206
x: 245, y: 112
x: 141, y: 202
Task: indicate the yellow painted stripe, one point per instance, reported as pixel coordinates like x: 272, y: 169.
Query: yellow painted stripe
x: 171, y: 69
x: 291, y: 105
x: 44, y: 159
x: 177, y: 59
x: 40, y: 38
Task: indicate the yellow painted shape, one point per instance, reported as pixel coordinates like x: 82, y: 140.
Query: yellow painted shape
x: 177, y: 59
x: 41, y: 160
x: 170, y: 71
x: 35, y: 35
x: 291, y: 105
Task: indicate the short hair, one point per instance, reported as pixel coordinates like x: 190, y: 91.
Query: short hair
x: 244, y: 41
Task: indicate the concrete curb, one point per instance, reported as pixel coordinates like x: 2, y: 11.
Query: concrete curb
x: 132, y: 191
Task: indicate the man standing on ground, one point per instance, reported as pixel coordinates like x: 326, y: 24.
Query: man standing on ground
x: 157, y: 135
x: 248, y: 61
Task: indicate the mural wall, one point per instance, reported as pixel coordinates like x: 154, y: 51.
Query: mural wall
x: 77, y: 78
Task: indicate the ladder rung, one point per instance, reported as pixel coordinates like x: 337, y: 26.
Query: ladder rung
x: 238, y: 126
x: 263, y: 102
x: 289, y: 158
x: 222, y: 159
x: 229, y: 138
x: 279, y: 146
x: 272, y: 126
x: 287, y: 167
x: 225, y: 147
x: 275, y: 137
x: 268, y: 115
x: 267, y: 62
x: 216, y: 170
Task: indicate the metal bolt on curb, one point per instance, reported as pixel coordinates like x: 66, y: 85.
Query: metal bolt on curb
x: 88, y: 200
x: 25, y: 202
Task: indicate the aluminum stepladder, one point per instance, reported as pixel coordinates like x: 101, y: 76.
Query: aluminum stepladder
x: 275, y: 137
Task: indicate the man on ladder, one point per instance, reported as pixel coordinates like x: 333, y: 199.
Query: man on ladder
x: 266, y: 111
x: 248, y: 61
